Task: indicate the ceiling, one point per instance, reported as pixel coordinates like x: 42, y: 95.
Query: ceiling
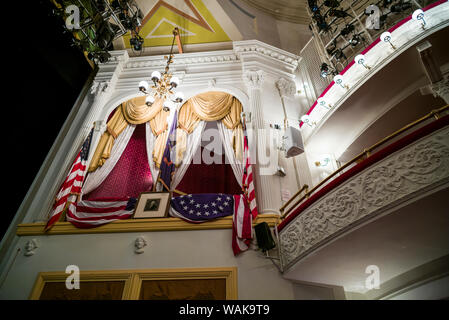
x: 284, y: 10
x: 199, y: 22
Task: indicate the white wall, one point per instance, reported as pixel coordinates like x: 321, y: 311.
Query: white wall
x: 258, y: 278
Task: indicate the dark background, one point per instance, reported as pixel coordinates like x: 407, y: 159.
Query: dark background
x: 43, y: 75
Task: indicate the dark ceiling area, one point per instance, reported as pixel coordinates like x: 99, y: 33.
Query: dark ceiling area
x: 44, y: 76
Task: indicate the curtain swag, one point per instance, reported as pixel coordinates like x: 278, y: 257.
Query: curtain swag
x: 209, y: 106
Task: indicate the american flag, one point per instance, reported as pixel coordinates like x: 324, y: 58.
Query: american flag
x: 198, y: 208
x: 93, y: 213
x: 71, y: 187
x: 246, y: 207
x: 247, y: 181
x: 202, y: 207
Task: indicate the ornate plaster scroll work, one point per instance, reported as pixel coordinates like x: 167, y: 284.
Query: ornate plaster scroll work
x: 99, y: 87
x: 254, y: 79
x: 266, y: 51
x: 192, y: 60
x: 286, y: 88
x: 402, y: 175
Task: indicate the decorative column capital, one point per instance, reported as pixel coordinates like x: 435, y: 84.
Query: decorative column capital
x: 287, y: 88
x: 253, y: 78
x: 99, y: 87
x: 100, y: 125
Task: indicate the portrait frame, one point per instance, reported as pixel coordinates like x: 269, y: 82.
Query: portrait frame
x: 152, y: 205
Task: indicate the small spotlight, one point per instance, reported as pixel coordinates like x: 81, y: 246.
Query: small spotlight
x: 360, y: 59
x: 386, y: 37
x: 338, y: 79
x: 419, y: 15
x: 322, y: 103
x: 136, y: 42
x: 324, y: 70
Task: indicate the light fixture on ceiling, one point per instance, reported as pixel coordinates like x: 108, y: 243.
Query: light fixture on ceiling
x: 163, y: 84
x: 360, y: 59
x: 320, y: 101
x: 386, y: 37
x: 418, y: 15
x: 338, y: 79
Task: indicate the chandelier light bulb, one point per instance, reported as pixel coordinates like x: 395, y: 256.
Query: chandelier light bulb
x: 418, y: 15
x: 360, y: 59
x: 166, y: 105
x: 386, y: 37
x: 143, y: 86
x: 155, y: 76
x: 174, y: 81
x: 149, y: 100
x: 179, y: 97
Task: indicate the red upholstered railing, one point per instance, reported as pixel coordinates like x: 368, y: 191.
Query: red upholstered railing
x: 376, y: 157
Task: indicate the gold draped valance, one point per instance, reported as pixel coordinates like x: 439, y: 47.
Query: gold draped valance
x: 133, y: 111
x: 136, y: 111
x: 210, y: 106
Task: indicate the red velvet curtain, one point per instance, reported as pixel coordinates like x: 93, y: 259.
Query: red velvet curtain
x: 209, y: 178
x: 131, y: 175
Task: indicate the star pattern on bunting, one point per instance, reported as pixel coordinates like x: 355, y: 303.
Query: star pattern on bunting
x: 206, y: 205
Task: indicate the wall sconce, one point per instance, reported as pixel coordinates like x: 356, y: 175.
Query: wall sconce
x: 338, y: 79
x: 417, y: 15
x: 306, y: 119
x: 323, y: 103
x: 322, y: 162
x: 360, y: 59
x: 386, y: 37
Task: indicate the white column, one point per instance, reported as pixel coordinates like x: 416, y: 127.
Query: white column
x: 267, y: 185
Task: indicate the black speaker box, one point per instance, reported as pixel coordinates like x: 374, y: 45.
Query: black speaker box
x: 264, y: 237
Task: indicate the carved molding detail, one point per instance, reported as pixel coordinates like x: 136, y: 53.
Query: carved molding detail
x: 253, y: 79
x: 272, y: 52
x: 392, y: 180
x: 99, y: 87
x: 179, y: 60
x: 286, y: 87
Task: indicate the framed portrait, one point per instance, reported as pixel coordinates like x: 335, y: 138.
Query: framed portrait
x: 152, y: 205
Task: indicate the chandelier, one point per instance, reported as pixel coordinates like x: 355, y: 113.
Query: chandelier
x: 163, y: 84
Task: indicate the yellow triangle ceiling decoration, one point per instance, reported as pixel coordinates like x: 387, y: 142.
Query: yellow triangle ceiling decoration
x: 164, y: 29
x: 196, y: 25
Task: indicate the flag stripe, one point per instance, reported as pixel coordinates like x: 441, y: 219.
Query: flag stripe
x: 72, y: 183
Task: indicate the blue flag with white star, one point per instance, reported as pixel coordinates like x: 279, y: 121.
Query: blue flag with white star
x: 202, y: 207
